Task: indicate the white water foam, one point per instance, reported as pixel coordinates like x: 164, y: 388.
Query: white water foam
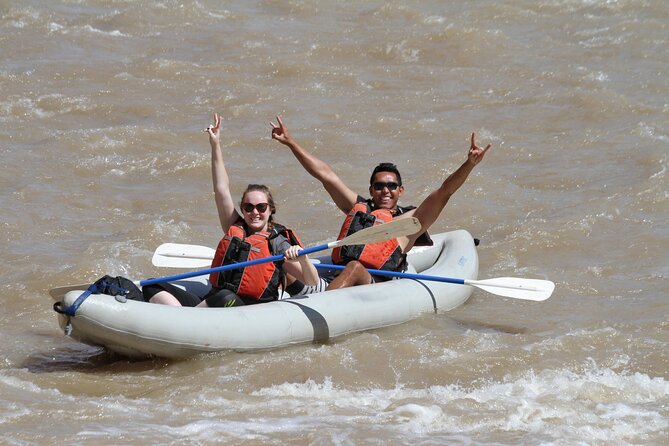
x: 597, y: 405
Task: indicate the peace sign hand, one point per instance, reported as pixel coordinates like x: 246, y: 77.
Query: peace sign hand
x: 214, y: 130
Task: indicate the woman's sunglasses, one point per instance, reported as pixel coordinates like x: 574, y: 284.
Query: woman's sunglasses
x: 261, y: 207
x: 379, y: 185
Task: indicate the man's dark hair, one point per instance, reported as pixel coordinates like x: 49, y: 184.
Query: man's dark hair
x: 386, y: 167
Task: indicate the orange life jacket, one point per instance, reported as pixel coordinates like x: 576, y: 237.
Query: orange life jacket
x: 259, y: 282
x: 385, y: 255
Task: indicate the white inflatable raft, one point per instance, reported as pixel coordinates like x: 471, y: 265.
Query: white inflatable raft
x: 138, y: 329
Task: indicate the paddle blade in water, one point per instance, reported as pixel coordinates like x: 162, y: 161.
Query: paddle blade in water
x: 59, y: 292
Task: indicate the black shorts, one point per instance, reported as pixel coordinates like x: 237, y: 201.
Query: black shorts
x: 216, y: 297
x: 222, y: 297
x: 185, y: 298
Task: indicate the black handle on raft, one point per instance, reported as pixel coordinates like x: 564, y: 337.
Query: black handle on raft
x: 57, y: 307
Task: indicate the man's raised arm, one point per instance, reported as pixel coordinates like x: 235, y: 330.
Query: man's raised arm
x: 343, y: 197
x: 429, y: 210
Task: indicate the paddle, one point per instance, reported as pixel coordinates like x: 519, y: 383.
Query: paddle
x: 171, y: 255
x: 373, y: 234
x: 513, y: 287
x: 179, y: 255
x: 60, y: 291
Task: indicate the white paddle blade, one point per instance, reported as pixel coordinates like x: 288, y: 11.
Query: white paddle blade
x: 176, y: 255
x: 517, y: 288
x: 59, y: 292
x: 380, y: 233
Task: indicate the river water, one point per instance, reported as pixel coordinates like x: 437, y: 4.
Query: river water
x: 103, y: 158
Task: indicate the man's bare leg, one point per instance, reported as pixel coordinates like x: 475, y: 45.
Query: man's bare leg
x: 354, y: 274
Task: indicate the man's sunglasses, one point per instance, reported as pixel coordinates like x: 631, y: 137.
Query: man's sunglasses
x: 379, y: 185
x: 261, y: 207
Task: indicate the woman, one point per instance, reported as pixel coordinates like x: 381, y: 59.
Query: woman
x: 253, y: 234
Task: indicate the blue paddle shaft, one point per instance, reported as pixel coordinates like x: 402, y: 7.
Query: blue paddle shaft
x: 218, y: 269
x: 380, y: 272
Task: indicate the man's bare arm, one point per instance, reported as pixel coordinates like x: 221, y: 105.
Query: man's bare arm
x: 340, y: 193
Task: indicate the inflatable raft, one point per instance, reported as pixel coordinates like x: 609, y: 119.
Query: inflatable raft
x: 139, y: 329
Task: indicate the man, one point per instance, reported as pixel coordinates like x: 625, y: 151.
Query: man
x: 385, y: 190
